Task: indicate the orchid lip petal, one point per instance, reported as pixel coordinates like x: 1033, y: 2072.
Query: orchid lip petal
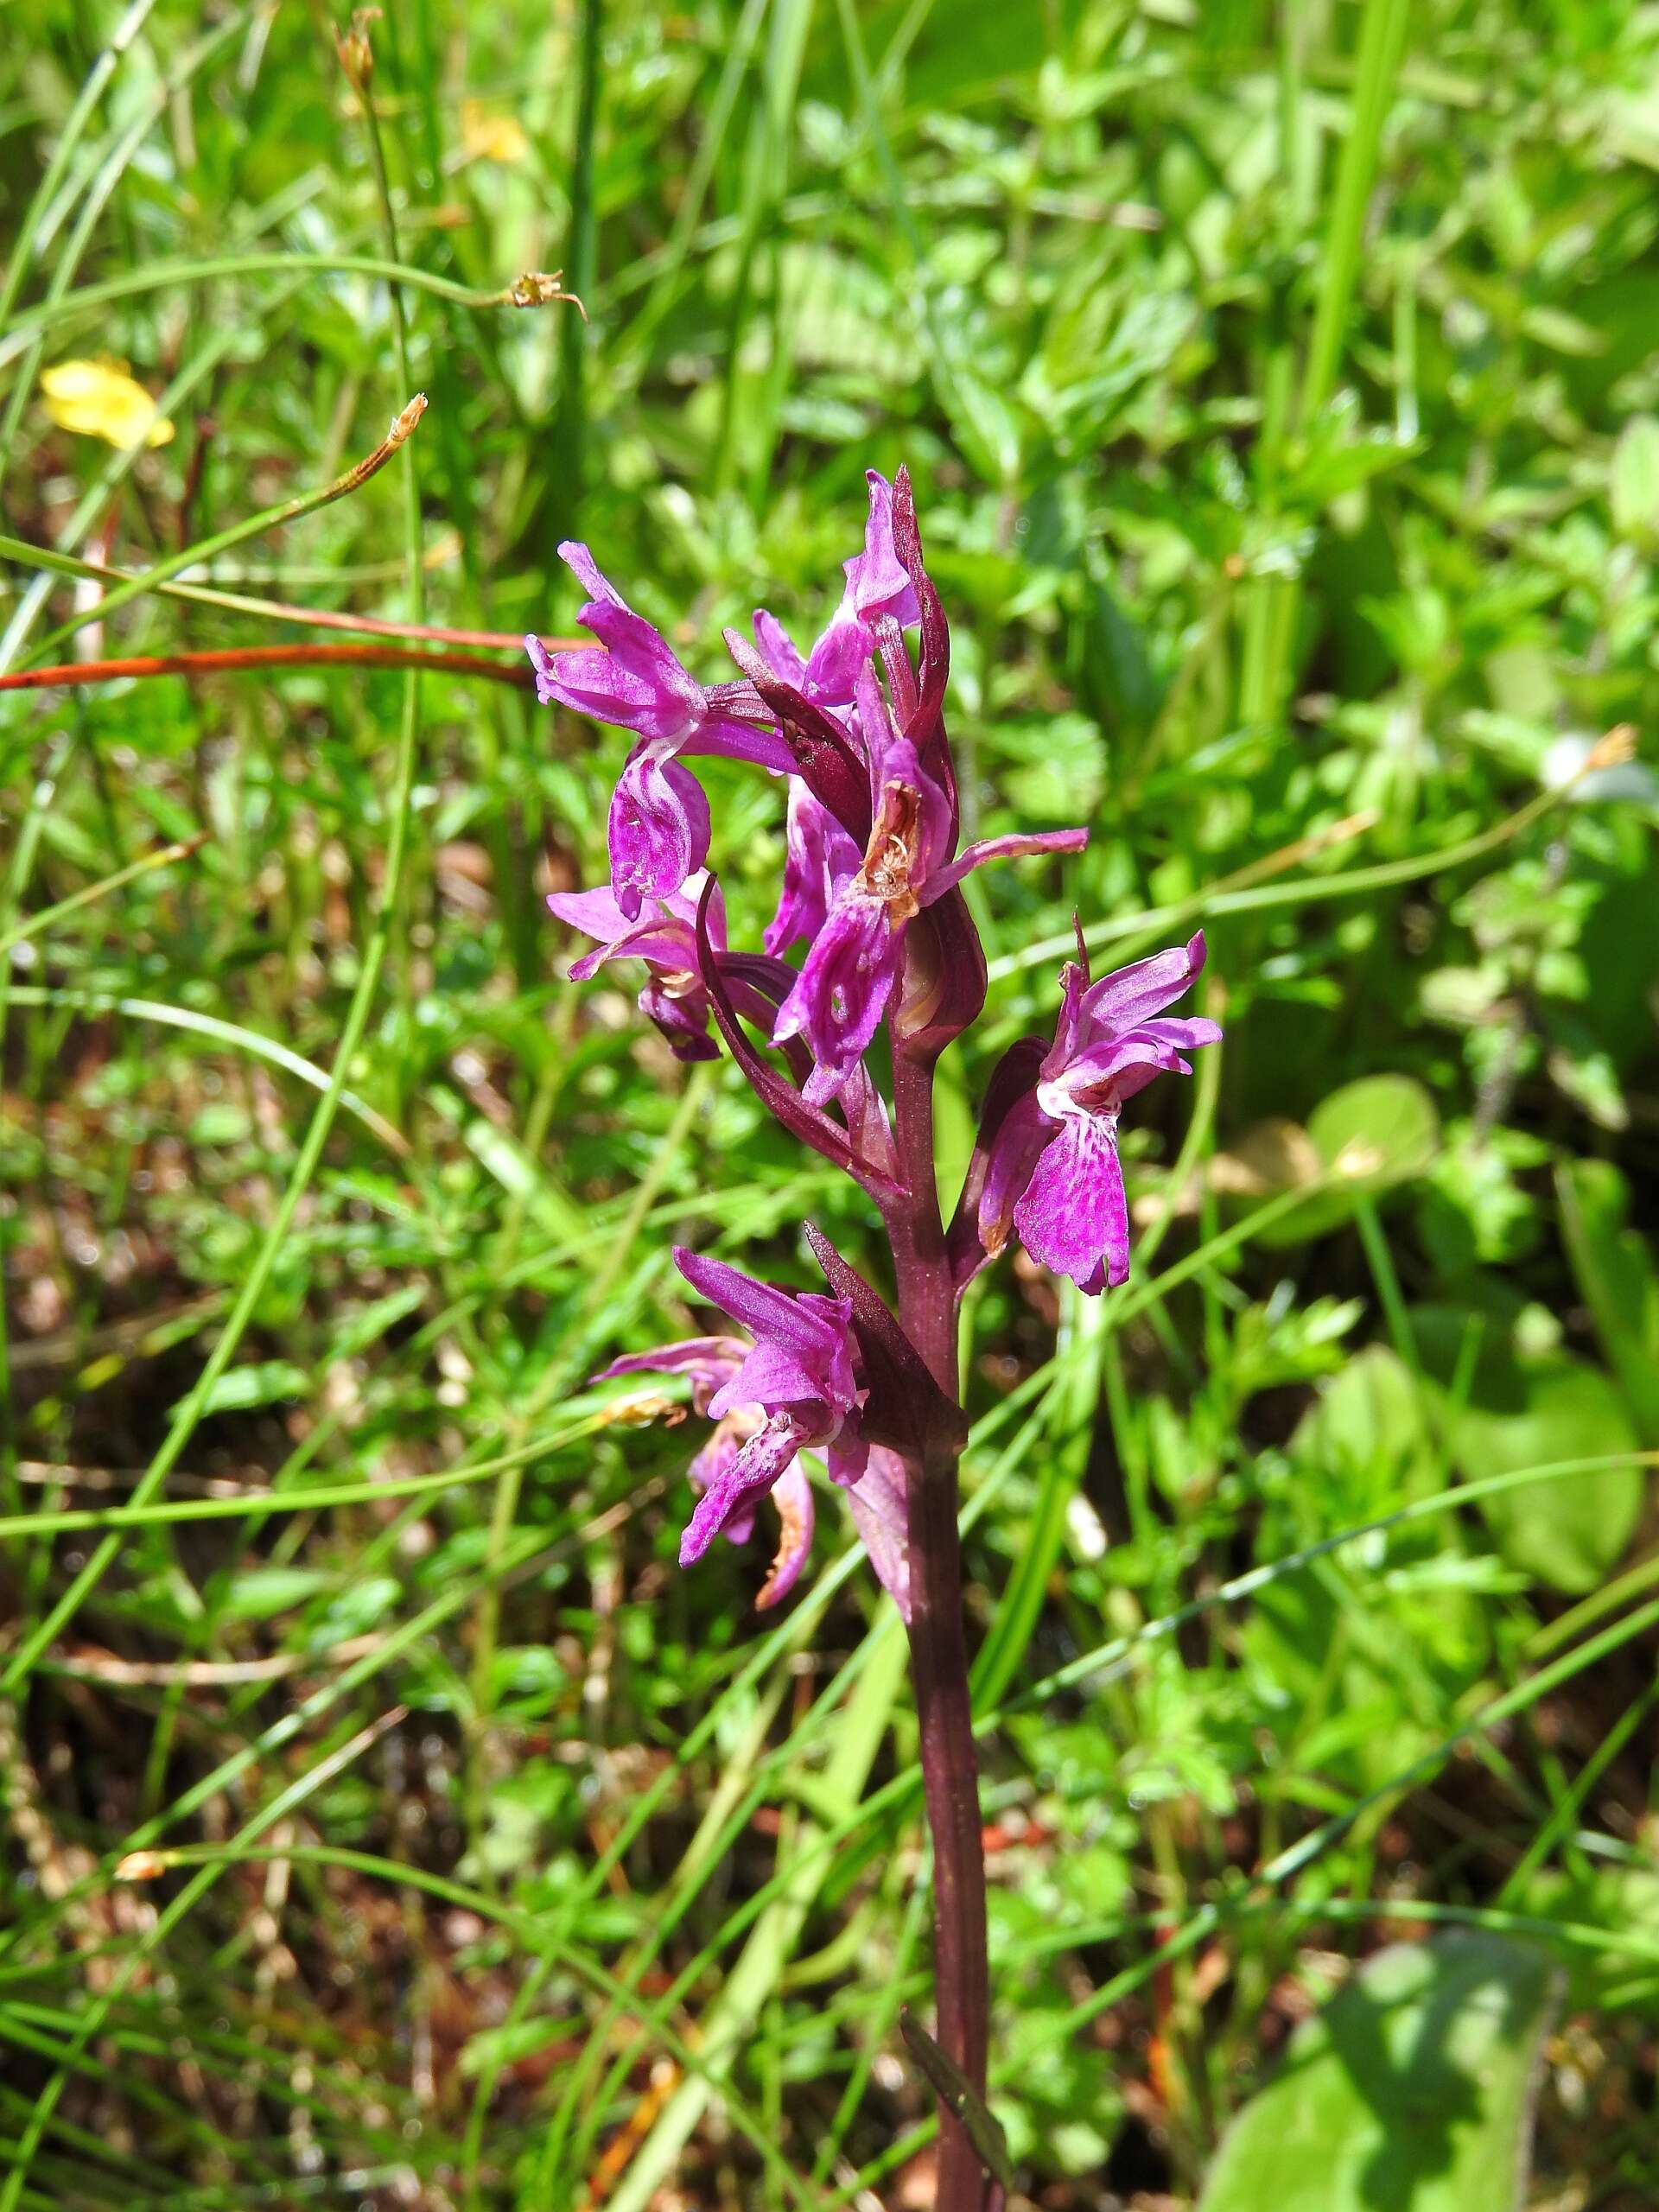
x: 842, y: 990
x: 1073, y: 1217
x: 752, y: 1470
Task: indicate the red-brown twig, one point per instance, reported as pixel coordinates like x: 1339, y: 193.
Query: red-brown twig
x: 234, y: 658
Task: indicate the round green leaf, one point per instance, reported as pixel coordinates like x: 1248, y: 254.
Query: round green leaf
x: 1368, y: 1136
x: 1378, y: 1132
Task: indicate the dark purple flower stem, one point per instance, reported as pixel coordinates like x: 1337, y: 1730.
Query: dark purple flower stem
x: 939, y: 1653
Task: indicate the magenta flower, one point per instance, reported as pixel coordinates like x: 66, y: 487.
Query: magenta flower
x: 855, y: 957
x: 1054, y: 1169
x: 711, y: 1363
x: 877, y: 583
x: 797, y: 1382
x: 877, y: 1496
x: 664, y: 935
x: 659, y: 816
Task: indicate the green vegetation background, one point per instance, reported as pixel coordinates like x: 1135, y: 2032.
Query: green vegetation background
x: 1281, y: 387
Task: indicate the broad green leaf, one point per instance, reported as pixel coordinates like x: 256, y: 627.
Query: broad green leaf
x: 1633, y: 485
x: 1367, y: 1435
x: 1411, y: 2092
x: 1567, y: 1534
x: 1615, y: 1271
x: 1509, y: 1407
x: 1378, y: 1132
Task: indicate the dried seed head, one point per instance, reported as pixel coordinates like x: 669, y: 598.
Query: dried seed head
x: 356, y: 55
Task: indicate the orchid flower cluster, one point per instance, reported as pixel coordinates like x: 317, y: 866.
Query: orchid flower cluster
x: 872, y: 890
x: 871, y: 887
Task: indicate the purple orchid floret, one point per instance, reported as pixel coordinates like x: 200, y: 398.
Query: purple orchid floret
x: 793, y: 1389
x: 1054, y: 1172
x: 664, y: 935
x: 855, y: 957
x: 799, y: 1374
x: 633, y: 678
x: 877, y: 584
x: 711, y: 1363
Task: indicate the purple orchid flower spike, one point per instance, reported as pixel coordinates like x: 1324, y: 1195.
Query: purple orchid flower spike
x: 799, y: 1376
x: 659, y: 816
x: 873, y: 885
x: 664, y: 935
x: 856, y: 959
x: 1053, y: 1171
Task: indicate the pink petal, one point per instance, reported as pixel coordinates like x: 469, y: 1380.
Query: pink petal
x: 779, y: 1375
x: 1003, y: 849
x: 778, y: 648
x: 1019, y: 1142
x: 659, y: 935
x: 807, y: 1320
x: 819, y: 860
x: 792, y: 1495
x: 879, y: 1511
x: 711, y: 1358
x: 730, y: 739
x: 1131, y: 995
x: 833, y: 665
x: 877, y: 580
x: 842, y: 990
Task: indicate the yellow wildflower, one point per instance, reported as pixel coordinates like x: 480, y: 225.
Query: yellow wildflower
x: 98, y: 399
x: 487, y: 135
